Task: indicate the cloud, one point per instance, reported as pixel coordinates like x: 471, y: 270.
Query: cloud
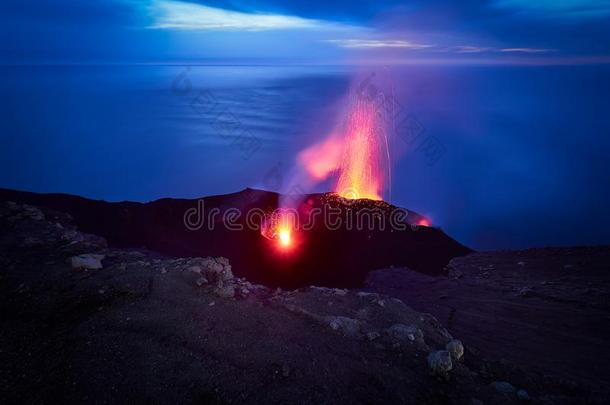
x: 483, y: 49
x: 179, y: 15
x: 374, y: 43
x: 559, y: 8
x: 470, y: 49
x: 408, y: 45
x: 527, y: 50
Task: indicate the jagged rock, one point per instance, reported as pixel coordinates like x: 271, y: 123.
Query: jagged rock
x: 405, y: 333
x: 87, y: 261
x: 194, y: 269
x: 31, y: 241
x: 223, y: 260
x: 523, y: 395
x: 348, y: 326
x: 456, y: 349
x: 372, y: 335
x: 12, y: 205
x: 216, y: 272
x: 525, y: 291
x: 440, y: 363
x: 33, y: 212
x: 285, y: 370
x: 456, y: 274
x: 226, y: 291
x: 504, y: 387
x: 201, y: 281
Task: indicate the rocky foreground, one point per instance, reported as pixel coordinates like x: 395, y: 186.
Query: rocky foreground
x: 85, y: 322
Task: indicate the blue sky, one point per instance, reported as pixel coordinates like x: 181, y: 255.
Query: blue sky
x: 356, y: 31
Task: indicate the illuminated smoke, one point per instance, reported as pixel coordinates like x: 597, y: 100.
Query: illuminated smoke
x: 357, y: 155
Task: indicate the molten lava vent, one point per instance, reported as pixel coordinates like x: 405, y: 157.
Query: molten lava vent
x: 364, y: 168
x: 356, y: 155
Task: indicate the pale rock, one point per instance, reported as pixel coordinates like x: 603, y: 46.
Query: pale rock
x: 504, y: 387
x: 372, y: 335
x: 364, y: 294
x: 456, y: 349
x: 402, y: 332
x: 523, y: 395
x: 526, y: 291
x: 440, y: 363
x: 194, y: 269
x: 88, y: 261
x: 225, y: 291
x: 348, y: 326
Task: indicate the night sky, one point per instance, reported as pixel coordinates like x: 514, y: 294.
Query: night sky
x: 439, y: 31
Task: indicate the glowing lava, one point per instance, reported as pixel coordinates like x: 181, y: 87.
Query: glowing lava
x: 357, y: 154
x: 363, y: 164
x: 424, y: 222
x: 278, y: 227
x: 285, y: 237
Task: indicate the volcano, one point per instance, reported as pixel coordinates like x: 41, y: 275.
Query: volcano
x: 337, y: 257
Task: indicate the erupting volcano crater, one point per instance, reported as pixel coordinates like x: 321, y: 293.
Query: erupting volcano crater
x: 336, y: 247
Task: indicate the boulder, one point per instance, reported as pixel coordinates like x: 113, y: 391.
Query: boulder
x: 194, y: 269
x: 523, y: 395
x: 503, y: 387
x: 372, y: 335
x: 88, y: 261
x: 225, y: 291
x: 456, y: 349
x: 348, y: 326
x: 404, y: 333
x: 440, y: 363
x: 216, y: 271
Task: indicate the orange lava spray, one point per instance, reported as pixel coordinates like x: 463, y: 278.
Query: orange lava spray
x: 364, y: 166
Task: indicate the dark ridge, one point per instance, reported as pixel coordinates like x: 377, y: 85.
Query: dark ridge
x: 333, y: 258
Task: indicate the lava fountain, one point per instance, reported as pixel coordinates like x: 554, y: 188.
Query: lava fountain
x: 357, y: 154
x: 364, y: 166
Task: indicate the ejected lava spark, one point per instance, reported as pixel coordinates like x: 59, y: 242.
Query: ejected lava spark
x: 356, y: 155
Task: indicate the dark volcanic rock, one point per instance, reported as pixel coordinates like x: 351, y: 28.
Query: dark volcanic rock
x: 143, y: 329
x: 338, y: 258
x: 138, y: 329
